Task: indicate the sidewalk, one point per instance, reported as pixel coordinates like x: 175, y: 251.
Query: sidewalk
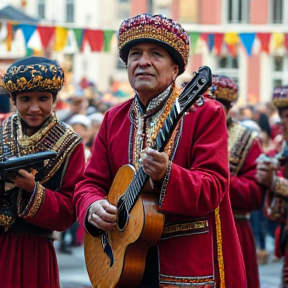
x: 73, y: 272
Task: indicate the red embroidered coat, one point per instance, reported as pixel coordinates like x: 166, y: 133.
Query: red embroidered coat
x: 245, y: 193
x: 195, y: 195
x: 27, y: 254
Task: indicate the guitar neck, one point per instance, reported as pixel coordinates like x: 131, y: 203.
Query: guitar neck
x: 186, y: 99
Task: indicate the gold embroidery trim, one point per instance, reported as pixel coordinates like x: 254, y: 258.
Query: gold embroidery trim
x: 38, y: 199
x: 179, y: 280
x: 182, y: 227
x: 220, y: 248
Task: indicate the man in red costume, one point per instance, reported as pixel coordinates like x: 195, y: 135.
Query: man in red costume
x: 245, y: 193
x: 273, y: 174
x: 199, y: 246
x: 34, y: 203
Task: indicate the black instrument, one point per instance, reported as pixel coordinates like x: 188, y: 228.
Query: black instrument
x: 10, y: 166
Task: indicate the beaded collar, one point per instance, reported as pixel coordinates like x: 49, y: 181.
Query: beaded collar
x: 146, y: 125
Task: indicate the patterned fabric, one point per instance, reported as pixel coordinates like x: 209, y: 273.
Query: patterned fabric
x: 34, y: 74
x: 158, y: 29
x: 223, y: 88
x: 239, y: 143
x: 55, y: 136
x: 280, y: 97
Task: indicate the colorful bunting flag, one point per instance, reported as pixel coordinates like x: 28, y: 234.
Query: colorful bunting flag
x: 265, y: 41
x: 247, y: 40
x: 100, y: 40
x: 45, y: 33
x: 218, y: 42
x: 194, y: 36
x: 61, y: 36
x: 232, y: 39
x: 79, y: 37
x: 286, y: 41
x: 108, y: 34
x: 27, y: 30
x: 95, y: 39
x: 278, y: 40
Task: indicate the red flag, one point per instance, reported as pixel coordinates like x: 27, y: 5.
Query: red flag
x: 95, y: 39
x: 204, y: 36
x: 46, y: 34
x: 218, y: 42
x: 286, y: 41
x: 265, y: 41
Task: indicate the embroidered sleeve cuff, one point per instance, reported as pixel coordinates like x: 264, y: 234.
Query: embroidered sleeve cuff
x: 165, y: 183
x: 34, y: 203
x: 281, y: 186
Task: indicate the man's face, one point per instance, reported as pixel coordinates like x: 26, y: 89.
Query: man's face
x: 150, y: 70
x: 284, y: 119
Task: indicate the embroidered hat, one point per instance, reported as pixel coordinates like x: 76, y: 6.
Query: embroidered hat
x: 157, y: 29
x: 223, y: 88
x: 280, y: 97
x: 34, y: 74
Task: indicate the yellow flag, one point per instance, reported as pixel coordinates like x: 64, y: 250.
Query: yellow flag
x: 278, y: 40
x: 61, y: 36
x: 231, y: 38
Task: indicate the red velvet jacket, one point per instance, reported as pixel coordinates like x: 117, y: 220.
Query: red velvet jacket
x: 196, y: 192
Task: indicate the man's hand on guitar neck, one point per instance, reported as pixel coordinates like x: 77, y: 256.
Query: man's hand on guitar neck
x: 102, y: 215
x: 154, y: 164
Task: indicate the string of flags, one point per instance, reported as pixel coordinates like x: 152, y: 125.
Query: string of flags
x: 100, y: 40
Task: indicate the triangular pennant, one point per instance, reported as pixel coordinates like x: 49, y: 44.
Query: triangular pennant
x: 247, y: 40
x: 95, y: 39
x: 194, y: 36
x: 61, y: 36
x: 46, y: 34
x: 232, y: 49
x: 218, y: 38
x: 265, y: 41
x: 211, y: 42
x: 9, y: 36
x: 27, y: 31
x: 232, y: 39
x: 278, y: 40
x: 286, y: 41
x: 204, y: 36
x: 108, y: 34
x: 79, y: 37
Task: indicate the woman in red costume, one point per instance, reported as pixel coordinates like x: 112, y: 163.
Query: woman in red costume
x: 34, y: 203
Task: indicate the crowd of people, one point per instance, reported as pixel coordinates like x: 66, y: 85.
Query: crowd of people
x: 217, y: 174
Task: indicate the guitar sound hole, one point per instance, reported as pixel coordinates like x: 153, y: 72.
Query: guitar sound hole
x: 123, y: 215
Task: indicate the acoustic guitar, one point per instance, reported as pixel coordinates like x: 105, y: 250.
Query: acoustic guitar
x: 117, y: 258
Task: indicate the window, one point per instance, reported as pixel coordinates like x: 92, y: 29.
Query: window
x: 279, y: 71
x: 238, y: 11
x: 277, y: 10
x: 150, y: 9
x: 69, y: 11
x: 228, y: 66
x: 41, y: 9
x: 123, y: 9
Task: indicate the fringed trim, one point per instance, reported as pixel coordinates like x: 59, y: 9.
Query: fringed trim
x: 219, y: 248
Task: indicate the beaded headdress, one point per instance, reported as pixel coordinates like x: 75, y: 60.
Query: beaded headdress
x: 157, y: 29
x: 280, y: 97
x: 34, y: 74
x: 223, y: 88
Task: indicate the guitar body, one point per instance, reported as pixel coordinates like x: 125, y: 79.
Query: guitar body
x: 129, y: 245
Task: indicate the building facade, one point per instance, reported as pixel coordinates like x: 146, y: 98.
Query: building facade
x: 256, y: 74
